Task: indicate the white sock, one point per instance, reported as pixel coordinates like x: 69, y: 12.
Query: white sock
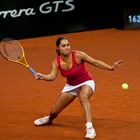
x: 89, y: 125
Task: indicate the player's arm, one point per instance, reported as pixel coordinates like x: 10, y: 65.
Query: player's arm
x: 51, y: 76
x: 98, y: 63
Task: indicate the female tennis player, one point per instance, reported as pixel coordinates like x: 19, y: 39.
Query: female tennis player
x: 79, y: 84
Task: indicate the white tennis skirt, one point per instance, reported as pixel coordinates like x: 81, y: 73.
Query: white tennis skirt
x: 75, y: 89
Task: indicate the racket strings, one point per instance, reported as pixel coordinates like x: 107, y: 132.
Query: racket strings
x: 11, y: 50
x: 5, y: 50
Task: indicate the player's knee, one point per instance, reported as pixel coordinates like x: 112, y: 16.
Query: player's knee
x: 83, y: 97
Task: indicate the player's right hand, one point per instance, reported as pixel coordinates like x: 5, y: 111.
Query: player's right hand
x: 39, y: 76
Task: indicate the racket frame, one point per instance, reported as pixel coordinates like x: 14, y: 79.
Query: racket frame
x: 22, y: 60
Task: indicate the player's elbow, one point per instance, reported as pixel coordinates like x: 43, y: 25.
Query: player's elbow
x: 51, y: 77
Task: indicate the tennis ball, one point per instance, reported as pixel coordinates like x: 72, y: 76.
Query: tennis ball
x: 124, y: 86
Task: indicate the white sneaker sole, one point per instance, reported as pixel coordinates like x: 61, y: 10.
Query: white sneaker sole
x: 90, y: 136
x: 41, y: 121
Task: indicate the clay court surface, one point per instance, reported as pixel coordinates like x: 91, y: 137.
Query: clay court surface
x: 116, y: 112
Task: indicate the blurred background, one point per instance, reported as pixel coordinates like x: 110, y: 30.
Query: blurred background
x: 34, y: 18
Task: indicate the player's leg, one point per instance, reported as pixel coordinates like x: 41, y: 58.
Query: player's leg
x: 62, y: 101
x: 84, y: 96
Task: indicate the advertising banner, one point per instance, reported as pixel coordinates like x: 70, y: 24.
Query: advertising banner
x: 32, y: 18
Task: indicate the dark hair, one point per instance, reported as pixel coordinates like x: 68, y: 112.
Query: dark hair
x: 58, y: 41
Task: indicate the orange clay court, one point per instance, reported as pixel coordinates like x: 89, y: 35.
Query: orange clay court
x: 116, y: 113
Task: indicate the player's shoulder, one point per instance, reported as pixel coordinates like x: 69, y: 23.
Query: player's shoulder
x: 79, y: 53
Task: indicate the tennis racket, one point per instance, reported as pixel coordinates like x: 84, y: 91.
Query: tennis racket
x: 13, y: 51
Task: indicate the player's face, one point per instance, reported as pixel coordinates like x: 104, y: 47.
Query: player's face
x: 64, y: 47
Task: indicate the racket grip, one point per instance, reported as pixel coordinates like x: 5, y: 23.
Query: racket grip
x: 34, y: 72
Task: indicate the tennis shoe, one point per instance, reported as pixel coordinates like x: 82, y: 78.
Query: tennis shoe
x: 90, y: 133
x: 42, y: 121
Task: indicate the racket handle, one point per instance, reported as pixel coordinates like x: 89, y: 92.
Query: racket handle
x: 34, y: 72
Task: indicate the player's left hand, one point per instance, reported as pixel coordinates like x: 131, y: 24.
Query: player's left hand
x: 116, y: 64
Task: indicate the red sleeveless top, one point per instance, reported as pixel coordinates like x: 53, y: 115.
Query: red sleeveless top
x: 77, y: 74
